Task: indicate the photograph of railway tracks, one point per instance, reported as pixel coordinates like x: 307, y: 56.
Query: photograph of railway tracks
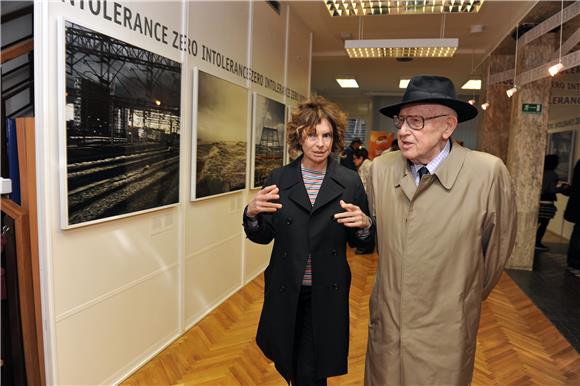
x: 268, y: 138
x: 122, y: 128
x: 220, y: 137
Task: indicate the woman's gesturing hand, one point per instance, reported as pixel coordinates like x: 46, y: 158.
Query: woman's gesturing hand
x: 352, y: 217
x: 261, y: 202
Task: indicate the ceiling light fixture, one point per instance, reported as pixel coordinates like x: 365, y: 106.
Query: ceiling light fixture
x: 347, y: 82
x: 514, y: 89
x: 472, y: 84
x: 511, y: 91
x: 409, y: 7
x: 397, y: 48
x: 556, y: 68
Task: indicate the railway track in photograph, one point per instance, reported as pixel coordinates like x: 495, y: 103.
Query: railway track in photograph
x: 122, y: 183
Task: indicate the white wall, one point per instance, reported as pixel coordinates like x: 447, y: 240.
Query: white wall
x: 115, y: 293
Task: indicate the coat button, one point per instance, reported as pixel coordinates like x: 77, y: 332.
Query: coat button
x: 289, y: 221
x: 335, y: 286
x: 282, y: 288
x: 333, y: 252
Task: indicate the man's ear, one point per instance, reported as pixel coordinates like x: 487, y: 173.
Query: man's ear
x: 450, y: 126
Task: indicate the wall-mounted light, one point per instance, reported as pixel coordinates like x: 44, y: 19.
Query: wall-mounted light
x: 472, y: 102
x: 157, y: 102
x: 485, y: 106
x: 347, y: 82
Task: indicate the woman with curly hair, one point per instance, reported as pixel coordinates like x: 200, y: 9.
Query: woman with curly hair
x: 311, y: 208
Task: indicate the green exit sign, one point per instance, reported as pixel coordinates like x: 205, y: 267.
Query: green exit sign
x: 532, y: 108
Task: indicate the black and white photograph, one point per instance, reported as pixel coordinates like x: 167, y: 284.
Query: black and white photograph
x: 268, y: 138
x: 220, y: 136
x: 122, y: 128
x: 562, y: 144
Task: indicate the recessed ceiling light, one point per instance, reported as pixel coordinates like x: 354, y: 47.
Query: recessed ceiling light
x: 472, y: 84
x: 403, y: 83
x: 347, y: 83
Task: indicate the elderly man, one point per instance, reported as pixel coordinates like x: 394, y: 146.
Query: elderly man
x: 446, y: 225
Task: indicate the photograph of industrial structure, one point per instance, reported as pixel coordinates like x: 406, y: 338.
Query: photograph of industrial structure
x: 122, y: 122
x: 268, y: 138
x: 220, y: 139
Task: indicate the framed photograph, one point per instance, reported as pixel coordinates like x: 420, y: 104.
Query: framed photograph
x: 289, y: 155
x: 219, y: 140
x: 562, y: 144
x: 268, y: 121
x: 120, y: 108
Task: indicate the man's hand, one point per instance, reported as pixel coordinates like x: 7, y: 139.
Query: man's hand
x: 352, y: 217
x: 261, y: 202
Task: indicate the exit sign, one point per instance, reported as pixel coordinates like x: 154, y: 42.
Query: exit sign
x: 532, y: 108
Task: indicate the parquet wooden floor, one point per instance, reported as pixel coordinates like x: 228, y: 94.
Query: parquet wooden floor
x: 516, y: 344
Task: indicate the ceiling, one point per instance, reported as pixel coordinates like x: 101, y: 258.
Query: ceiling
x: 381, y: 76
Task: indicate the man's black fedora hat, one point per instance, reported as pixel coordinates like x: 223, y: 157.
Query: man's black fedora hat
x: 432, y: 89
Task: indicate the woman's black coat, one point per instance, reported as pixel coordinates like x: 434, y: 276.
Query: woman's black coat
x: 300, y: 229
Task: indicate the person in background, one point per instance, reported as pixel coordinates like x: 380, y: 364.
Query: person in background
x: 572, y: 214
x: 550, y: 186
x: 446, y: 225
x: 348, y: 154
x: 311, y: 208
x: 363, y: 165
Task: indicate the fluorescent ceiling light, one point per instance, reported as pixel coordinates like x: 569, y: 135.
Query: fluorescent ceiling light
x: 408, y: 7
x: 472, y: 84
x: 403, y: 83
x: 347, y: 83
x: 401, y: 48
x: 556, y: 68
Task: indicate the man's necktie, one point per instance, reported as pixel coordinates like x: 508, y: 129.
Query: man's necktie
x: 422, y: 172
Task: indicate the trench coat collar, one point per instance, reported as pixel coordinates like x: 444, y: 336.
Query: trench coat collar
x: 446, y: 173
x: 332, y: 185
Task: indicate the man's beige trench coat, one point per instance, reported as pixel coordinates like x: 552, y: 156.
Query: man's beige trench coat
x: 442, y: 248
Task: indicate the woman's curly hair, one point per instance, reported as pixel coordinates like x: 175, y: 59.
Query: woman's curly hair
x: 310, y: 113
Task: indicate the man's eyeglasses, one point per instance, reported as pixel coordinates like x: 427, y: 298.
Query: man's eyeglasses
x: 415, y: 122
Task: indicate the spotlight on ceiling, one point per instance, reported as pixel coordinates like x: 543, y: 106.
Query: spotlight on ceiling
x: 511, y: 91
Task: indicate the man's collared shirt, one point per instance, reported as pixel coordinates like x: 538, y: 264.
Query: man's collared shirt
x: 431, y: 166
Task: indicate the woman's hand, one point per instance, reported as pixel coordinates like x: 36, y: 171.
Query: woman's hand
x: 352, y: 217
x: 261, y: 202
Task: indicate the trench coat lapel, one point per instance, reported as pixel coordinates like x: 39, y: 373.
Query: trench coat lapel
x: 449, y: 169
x: 446, y: 173
x: 406, y: 182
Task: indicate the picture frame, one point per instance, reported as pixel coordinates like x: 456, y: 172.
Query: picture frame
x: 119, y: 127
x: 219, y: 136
x: 268, y: 133
x: 562, y: 143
